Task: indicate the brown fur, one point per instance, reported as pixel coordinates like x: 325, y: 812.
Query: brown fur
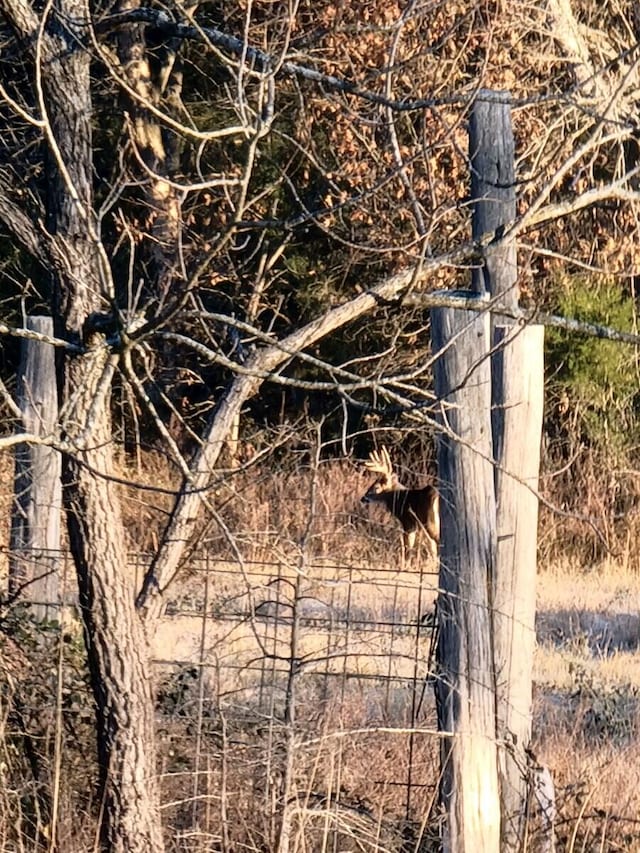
x: 415, y: 509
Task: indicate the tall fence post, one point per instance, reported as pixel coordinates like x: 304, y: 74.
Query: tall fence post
x: 465, y: 685
x: 35, y: 520
x: 517, y: 366
x: 518, y: 390
x: 489, y: 378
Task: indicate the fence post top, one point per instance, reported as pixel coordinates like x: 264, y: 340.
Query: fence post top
x: 493, y: 96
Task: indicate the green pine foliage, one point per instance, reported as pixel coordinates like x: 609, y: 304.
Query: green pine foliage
x: 596, y: 380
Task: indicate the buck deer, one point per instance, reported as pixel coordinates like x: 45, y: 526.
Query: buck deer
x: 415, y: 509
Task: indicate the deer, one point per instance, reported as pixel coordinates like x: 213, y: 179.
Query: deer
x: 415, y: 509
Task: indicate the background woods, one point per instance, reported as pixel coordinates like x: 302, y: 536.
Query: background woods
x: 226, y: 208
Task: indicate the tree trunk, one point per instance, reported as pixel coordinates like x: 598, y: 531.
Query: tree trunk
x: 465, y: 685
x: 35, y: 520
x: 116, y: 643
x: 158, y: 150
x: 117, y: 648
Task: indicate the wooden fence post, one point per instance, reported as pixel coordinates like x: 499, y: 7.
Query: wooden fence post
x: 517, y: 405
x: 489, y: 378
x: 465, y: 685
x: 518, y: 392
x: 35, y: 521
x: 493, y: 193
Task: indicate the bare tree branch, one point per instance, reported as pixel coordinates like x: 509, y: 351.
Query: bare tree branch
x: 185, y: 513
x: 260, y: 62
x: 30, y: 335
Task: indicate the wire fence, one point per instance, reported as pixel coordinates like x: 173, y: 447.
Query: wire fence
x: 293, y: 701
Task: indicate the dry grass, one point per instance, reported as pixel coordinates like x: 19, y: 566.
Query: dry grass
x: 353, y: 750
x: 267, y: 512
x: 587, y: 709
x: 589, y: 619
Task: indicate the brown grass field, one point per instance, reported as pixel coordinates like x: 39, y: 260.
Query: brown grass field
x: 356, y: 763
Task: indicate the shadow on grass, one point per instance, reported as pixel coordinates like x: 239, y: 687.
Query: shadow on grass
x: 599, y: 633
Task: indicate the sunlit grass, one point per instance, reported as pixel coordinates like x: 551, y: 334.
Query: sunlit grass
x: 586, y: 672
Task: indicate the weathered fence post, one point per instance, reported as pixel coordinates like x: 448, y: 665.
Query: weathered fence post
x: 35, y: 520
x: 489, y: 379
x: 465, y: 688
x: 517, y: 404
x: 518, y: 386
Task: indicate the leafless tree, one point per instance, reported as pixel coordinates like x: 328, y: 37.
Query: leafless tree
x: 161, y: 175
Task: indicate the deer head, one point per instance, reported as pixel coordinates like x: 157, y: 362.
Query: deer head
x: 379, y: 462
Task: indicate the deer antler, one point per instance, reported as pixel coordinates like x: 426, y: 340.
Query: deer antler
x: 379, y: 462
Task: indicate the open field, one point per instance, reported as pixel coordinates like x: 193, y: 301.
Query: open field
x: 364, y: 657
x: 303, y: 680
x: 587, y: 708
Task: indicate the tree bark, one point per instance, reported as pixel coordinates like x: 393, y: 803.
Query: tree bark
x: 161, y: 198
x: 117, y: 647
x: 116, y: 644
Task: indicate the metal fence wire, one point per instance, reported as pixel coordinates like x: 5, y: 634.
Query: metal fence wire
x: 294, y: 702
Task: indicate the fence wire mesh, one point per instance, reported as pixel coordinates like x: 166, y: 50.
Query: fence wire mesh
x: 293, y: 702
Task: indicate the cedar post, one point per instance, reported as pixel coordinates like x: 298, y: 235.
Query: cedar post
x: 35, y: 520
x: 491, y: 410
x: 465, y: 686
x: 517, y: 367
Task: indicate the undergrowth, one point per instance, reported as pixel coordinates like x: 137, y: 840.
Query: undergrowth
x: 223, y: 759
